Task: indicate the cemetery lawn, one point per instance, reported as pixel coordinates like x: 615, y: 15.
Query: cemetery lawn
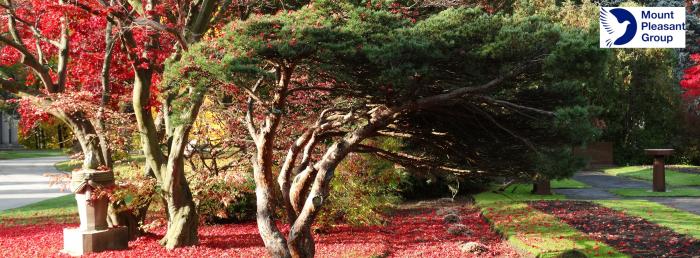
x: 627, y: 233
x: 534, y: 232
x: 20, y: 154
x: 68, y: 165
x: 673, y: 178
x: 55, y: 210
x: 568, y: 184
x: 519, y: 216
x: 677, y: 220
x: 644, y: 192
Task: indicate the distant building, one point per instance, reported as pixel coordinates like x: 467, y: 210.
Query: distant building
x: 8, y: 131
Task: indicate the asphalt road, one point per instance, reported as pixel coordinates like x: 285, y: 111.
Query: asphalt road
x: 23, y: 181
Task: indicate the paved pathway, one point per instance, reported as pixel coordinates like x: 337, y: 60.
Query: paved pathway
x: 601, y: 182
x: 22, y: 181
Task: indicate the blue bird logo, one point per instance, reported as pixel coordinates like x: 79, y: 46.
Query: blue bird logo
x: 622, y: 29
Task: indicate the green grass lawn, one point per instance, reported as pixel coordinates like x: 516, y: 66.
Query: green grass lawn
x: 645, y: 192
x: 535, y: 232
x: 568, y: 184
x: 673, y: 178
x: 677, y: 220
x: 59, y: 210
x: 68, y: 165
x: 522, y: 192
x: 19, y: 154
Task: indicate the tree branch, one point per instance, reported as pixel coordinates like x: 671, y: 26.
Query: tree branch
x: 15, y: 87
x: 160, y: 27
x: 28, y: 58
x: 499, y: 125
x: 441, y: 99
x: 285, y: 174
x: 32, y: 27
x: 250, y: 124
x: 408, y: 160
x: 516, y: 106
x: 62, y: 55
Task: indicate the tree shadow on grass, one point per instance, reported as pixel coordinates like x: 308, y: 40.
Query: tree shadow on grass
x: 629, y: 234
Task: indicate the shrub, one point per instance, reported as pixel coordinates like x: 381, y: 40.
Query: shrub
x: 417, y: 186
x: 224, y: 198
x: 363, y: 186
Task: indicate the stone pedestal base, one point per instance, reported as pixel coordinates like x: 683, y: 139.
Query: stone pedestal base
x: 78, y: 242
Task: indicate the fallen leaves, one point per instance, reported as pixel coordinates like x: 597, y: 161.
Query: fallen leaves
x: 629, y: 234
x: 409, y: 233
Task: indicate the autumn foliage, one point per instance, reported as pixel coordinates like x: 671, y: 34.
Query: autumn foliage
x: 414, y: 232
x: 691, y: 78
x: 300, y: 86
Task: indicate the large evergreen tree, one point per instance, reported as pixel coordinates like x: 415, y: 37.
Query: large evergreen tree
x: 504, y: 90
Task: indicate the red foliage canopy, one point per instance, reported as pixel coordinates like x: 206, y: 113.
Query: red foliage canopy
x: 39, y: 23
x: 691, y: 78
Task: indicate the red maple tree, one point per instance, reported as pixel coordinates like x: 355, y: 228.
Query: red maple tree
x: 65, y: 64
x: 691, y: 78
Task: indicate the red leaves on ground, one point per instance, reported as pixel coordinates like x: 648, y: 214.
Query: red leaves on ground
x: 410, y: 233
x: 628, y: 234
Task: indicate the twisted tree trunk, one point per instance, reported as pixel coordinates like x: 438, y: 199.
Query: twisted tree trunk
x: 266, y: 196
x: 300, y: 239
x: 84, y: 131
x: 183, y: 219
x: 272, y: 237
x: 166, y: 160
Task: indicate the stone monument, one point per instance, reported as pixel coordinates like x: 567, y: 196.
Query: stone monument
x: 8, y: 132
x: 93, y: 235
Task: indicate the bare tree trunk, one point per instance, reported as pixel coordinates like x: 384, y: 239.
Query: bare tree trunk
x: 60, y: 136
x: 272, y: 237
x: 266, y: 193
x: 85, y: 133
x: 90, y: 144
x: 168, y: 167
x: 183, y: 222
x: 42, y: 138
x: 300, y: 187
x: 301, y: 242
x: 182, y: 214
x: 542, y: 187
x: 36, y: 138
x: 131, y: 219
x: 104, y: 100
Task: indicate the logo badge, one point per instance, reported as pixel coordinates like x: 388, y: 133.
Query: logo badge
x: 642, y: 27
x: 621, y: 29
